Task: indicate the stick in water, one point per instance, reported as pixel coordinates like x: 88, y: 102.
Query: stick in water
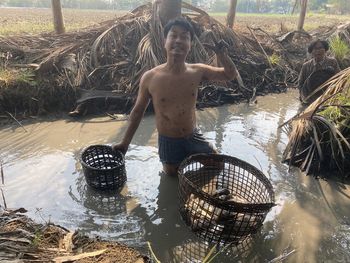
x: 2, y: 174
x: 3, y: 198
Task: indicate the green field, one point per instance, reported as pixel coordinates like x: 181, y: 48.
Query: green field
x: 34, y: 21
x: 272, y: 22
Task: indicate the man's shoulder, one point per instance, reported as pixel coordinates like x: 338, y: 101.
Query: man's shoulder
x: 151, y: 72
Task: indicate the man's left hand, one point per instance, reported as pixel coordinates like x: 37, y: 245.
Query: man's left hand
x: 219, y: 47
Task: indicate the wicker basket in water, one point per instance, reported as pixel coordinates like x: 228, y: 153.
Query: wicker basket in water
x: 223, y: 199
x: 103, y: 168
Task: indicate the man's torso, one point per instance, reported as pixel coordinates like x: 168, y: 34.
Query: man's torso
x: 326, y: 68
x: 174, y: 100
x: 327, y: 64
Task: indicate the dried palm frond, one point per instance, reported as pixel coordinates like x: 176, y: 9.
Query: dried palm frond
x: 115, y: 54
x: 320, y: 135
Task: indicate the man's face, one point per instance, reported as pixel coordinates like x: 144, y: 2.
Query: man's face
x: 319, y: 51
x: 178, y: 41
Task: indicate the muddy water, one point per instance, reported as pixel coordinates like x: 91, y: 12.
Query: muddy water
x: 43, y: 174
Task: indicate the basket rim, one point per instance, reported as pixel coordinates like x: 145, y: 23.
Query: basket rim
x: 218, y: 202
x: 101, y: 145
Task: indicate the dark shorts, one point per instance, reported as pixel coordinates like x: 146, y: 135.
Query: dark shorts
x: 175, y: 150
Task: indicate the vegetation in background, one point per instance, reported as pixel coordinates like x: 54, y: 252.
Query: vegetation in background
x: 339, y: 48
x: 320, y: 135
x: 35, y: 21
x: 9, y: 77
x: 274, y: 59
x: 244, y: 6
x: 336, y: 113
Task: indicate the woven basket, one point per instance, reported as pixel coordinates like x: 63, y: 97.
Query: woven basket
x: 222, y: 198
x: 103, y: 167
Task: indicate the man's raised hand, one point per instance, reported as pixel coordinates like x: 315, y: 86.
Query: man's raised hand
x: 219, y: 46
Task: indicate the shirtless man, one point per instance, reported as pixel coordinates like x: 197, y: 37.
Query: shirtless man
x: 173, y: 88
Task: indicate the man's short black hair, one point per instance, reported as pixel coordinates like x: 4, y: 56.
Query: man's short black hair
x: 313, y: 44
x: 181, y: 22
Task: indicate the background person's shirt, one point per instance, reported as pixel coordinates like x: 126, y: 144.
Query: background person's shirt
x: 311, y: 66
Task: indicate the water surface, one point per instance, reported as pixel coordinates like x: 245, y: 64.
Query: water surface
x: 43, y: 174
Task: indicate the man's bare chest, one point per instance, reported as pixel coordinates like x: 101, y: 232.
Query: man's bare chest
x: 174, y: 88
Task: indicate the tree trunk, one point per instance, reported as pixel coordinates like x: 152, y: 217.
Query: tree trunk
x: 231, y: 14
x: 169, y: 9
x: 303, y: 6
x: 57, y: 16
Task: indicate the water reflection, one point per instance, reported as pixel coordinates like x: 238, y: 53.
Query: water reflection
x: 42, y: 170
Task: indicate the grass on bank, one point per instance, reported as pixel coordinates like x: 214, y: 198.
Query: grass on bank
x: 339, y: 48
x: 9, y: 77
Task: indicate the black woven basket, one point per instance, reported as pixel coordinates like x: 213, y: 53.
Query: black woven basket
x: 222, y: 198
x: 103, y: 167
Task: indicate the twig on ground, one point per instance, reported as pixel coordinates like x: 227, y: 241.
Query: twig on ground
x: 3, y: 198
x: 16, y: 120
x: 2, y: 174
x: 282, y: 257
x: 262, y: 49
x: 152, y: 253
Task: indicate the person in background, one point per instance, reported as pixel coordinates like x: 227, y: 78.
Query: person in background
x: 316, y: 71
x: 173, y: 89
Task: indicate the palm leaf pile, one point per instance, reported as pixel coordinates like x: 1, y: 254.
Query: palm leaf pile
x: 319, y: 136
x: 114, y: 55
x: 23, y: 240
x: 47, y: 72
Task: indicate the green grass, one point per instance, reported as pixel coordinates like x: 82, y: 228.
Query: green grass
x: 251, y: 15
x: 339, y: 48
x: 8, y: 77
x: 334, y: 113
x: 15, y: 21
x: 37, y: 238
x: 274, y: 59
x: 25, y: 27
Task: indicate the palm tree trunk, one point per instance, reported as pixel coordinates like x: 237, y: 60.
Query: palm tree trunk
x: 57, y: 16
x: 303, y: 6
x: 168, y: 10
x: 231, y: 14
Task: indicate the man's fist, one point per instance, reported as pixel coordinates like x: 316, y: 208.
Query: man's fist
x: 219, y: 46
